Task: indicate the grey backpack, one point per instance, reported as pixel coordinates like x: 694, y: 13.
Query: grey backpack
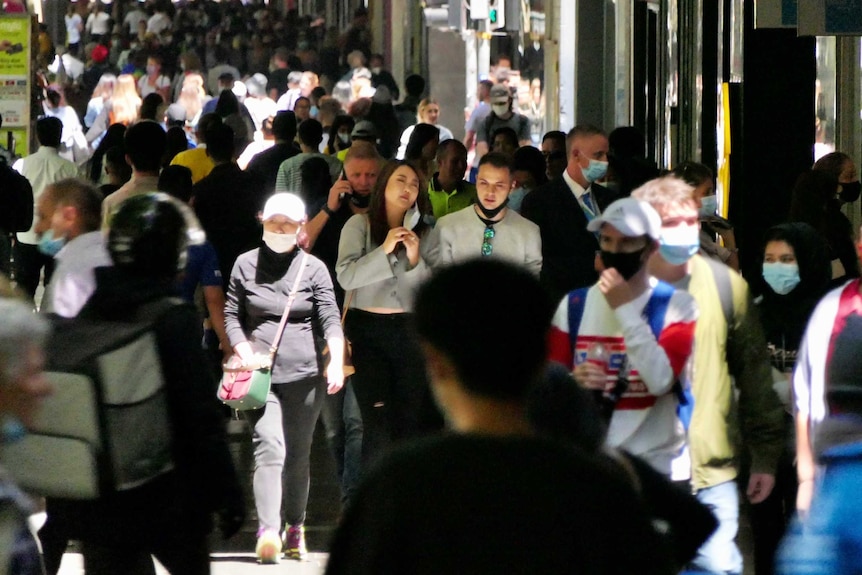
x: 106, y: 426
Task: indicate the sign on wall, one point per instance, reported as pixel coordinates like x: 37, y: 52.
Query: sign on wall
x: 15, y: 58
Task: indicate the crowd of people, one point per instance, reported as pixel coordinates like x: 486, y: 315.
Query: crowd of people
x: 572, y: 315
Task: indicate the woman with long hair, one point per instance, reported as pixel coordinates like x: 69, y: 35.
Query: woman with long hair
x: 428, y: 112
x: 815, y: 202
x: 103, y: 92
x: 192, y: 97
x: 123, y: 108
x: 422, y: 148
x: 380, y: 265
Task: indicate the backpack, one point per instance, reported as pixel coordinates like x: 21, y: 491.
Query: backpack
x: 654, y: 313
x: 16, y: 201
x: 106, y: 427
x: 523, y: 121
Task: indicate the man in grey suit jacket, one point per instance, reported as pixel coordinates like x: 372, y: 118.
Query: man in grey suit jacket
x: 488, y: 228
x: 562, y: 208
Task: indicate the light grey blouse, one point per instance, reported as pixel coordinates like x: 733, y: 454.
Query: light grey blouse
x: 379, y: 279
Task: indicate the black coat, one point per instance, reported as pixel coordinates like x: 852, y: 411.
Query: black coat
x: 568, y: 249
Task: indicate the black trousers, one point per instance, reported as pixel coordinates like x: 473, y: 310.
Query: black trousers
x: 29, y: 262
x: 390, y: 383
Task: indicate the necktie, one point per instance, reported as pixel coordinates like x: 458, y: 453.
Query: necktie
x: 588, y: 203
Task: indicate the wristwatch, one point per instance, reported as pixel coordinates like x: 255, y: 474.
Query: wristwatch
x: 329, y: 212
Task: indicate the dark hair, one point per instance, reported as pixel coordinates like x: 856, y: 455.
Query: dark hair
x: 204, y: 124
x: 693, y: 174
x: 82, y: 196
x: 48, y: 131
x: 176, y: 181
x: 557, y: 136
x: 530, y: 160
x: 310, y: 133
x: 811, y: 196
x: 301, y: 98
x: 497, y: 159
x: 284, y: 125
x: 414, y: 84
x: 145, y: 145
x: 113, y: 138
x: 227, y: 104
x: 627, y: 142
x: 508, y: 133
x: 334, y: 144
x: 115, y: 157
x: 450, y: 146
x: 315, y: 183
x: 150, y: 106
x: 377, y: 208
x: 833, y: 164
x: 422, y: 134
x: 220, y: 144
x: 318, y: 92
x: 497, y: 355
x: 53, y: 97
x: 176, y: 142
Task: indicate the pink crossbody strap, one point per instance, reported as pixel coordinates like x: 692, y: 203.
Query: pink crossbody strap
x: 290, y: 298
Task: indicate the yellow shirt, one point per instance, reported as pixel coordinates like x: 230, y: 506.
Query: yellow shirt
x: 197, y: 161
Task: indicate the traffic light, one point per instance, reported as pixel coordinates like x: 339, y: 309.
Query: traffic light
x: 496, y: 14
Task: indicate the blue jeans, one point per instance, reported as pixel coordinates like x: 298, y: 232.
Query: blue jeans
x: 720, y: 554
x: 343, y: 423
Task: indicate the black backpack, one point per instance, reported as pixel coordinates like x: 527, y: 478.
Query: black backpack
x: 16, y: 201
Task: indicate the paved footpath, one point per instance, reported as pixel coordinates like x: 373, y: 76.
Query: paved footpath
x: 226, y: 564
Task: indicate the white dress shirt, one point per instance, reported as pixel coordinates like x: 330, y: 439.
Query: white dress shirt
x: 579, y: 192
x: 41, y: 168
x: 74, y: 279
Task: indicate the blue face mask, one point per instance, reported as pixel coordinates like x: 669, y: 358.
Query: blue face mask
x: 708, y: 206
x: 782, y: 278
x: 313, y: 112
x: 49, y: 245
x: 595, y: 171
x: 12, y: 430
x: 678, y: 244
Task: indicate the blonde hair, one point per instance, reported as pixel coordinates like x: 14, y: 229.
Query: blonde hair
x: 423, y: 105
x: 105, y: 88
x: 125, y: 103
x: 192, y: 95
x: 666, y: 192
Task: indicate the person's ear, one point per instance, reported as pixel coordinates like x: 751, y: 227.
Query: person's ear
x: 440, y: 369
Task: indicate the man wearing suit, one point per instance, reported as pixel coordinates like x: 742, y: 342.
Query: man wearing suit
x: 562, y: 208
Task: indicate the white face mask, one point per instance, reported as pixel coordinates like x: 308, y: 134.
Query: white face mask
x: 412, y: 217
x: 500, y: 109
x: 279, y: 243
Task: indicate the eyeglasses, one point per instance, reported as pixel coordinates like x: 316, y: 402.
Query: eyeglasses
x: 487, y: 247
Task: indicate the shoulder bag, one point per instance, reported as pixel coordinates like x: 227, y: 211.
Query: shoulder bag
x: 246, y: 386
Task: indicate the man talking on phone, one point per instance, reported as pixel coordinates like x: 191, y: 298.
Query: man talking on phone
x: 349, y: 195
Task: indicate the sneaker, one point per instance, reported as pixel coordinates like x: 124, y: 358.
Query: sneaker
x: 268, y: 547
x: 294, y: 542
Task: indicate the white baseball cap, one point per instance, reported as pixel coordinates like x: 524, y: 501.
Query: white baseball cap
x: 631, y: 217
x: 284, y: 204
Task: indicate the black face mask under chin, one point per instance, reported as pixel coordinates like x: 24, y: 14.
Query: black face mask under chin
x: 626, y: 264
x: 491, y: 214
x: 850, y: 192
x: 360, y: 201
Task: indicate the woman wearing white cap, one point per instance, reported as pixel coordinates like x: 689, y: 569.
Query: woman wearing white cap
x: 260, y: 284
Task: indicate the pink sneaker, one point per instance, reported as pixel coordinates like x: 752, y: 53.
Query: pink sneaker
x: 294, y: 542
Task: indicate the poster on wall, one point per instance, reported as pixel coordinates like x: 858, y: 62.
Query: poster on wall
x: 15, y: 56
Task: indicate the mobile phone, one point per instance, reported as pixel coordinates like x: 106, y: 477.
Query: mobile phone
x: 342, y: 177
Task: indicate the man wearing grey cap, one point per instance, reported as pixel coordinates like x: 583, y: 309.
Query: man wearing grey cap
x: 502, y: 115
x: 629, y: 337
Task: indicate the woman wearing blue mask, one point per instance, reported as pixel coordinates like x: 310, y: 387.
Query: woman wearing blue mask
x: 796, y: 274
x: 712, y: 224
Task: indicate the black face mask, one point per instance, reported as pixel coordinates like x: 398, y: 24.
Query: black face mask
x: 360, y: 202
x: 491, y: 214
x: 626, y: 264
x: 850, y: 192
